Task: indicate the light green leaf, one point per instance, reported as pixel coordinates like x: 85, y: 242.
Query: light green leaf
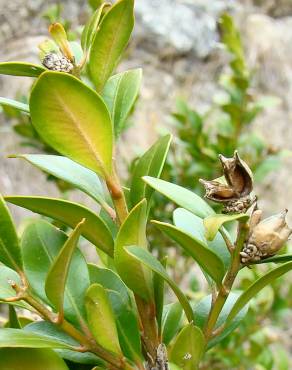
x: 256, y: 287
x: 101, y: 319
x: 30, y: 358
x: 188, y: 348
x: 125, y: 315
x: 110, y: 41
x: 21, y: 69
x: 70, y: 214
x: 10, y: 253
x: 181, y: 196
x: 91, y: 28
x: 57, y: 276
x: 15, y: 104
x: 120, y: 93
x: 73, y: 119
x: 41, y: 244
x: 194, y: 226
x: 206, y: 258
x: 214, y: 222
x: 63, y: 168
x: 133, y: 232
x: 276, y: 259
x: 171, y: 321
x: 151, y: 262
x: 22, y: 339
x: 202, y: 310
x: 50, y: 330
x: 151, y: 163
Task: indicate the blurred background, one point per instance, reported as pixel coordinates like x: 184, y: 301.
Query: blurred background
x: 179, y: 46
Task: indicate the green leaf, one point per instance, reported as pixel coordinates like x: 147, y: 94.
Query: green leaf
x: 171, y: 321
x: 276, y: 259
x: 70, y: 214
x: 207, y: 259
x: 188, y: 348
x: 125, y: 315
x: 202, y: 310
x: 151, y: 163
x: 181, y: 196
x: 57, y: 276
x: 14, y: 104
x: 30, y: 358
x: 159, y: 285
x: 10, y: 253
x: 120, y: 93
x: 194, y: 226
x: 21, y: 69
x: 101, y: 319
x: 50, y: 330
x: 41, y: 244
x: 22, y: 339
x: 63, y: 168
x: 110, y: 41
x: 91, y: 28
x: 133, y: 232
x: 13, y: 319
x: 214, y: 222
x: 257, y: 286
x: 151, y: 262
x: 73, y: 119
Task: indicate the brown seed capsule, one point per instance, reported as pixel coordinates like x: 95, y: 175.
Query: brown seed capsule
x: 266, y: 238
x: 234, y: 191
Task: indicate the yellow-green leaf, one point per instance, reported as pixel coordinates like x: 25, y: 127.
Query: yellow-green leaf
x: 73, y: 119
x: 133, y: 232
x: 101, y: 319
x: 214, y: 222
x: 21, y: 69
x: 110, y: 41
x: 58, y: 273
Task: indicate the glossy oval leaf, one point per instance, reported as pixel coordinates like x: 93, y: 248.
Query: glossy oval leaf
x: 50, y: 330
x: 207, y: 259
x: 70, y: 214
x: 73, y: 119
x: 22, y: 339
x: 101, y: 319
x: 181, y: 196
x: 57, y: 276
x: 151, y: 163
x: 188, y: 348
x: 30, y: 358
x: 171, y: 321
x: 202, y: 310
x: 125, y: 314
x: 214, y: 222
x: 152, y: 263
x: 194, y: 226
x: 21, y: 69
x: 63, y: 168
x: 14, y: 104
x: 10, y: 253
x: 41, y: 244
x: 257, y: 286
x: 120, y: 93
x: 110, y: 41
x: 133, y: 232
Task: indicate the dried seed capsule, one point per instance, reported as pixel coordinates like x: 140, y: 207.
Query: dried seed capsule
x: 266, y: 238
x: 56, y: 62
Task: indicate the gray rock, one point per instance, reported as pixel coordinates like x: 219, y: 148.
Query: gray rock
x: 184, y: 25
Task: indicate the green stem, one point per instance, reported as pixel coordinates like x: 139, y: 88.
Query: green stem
x: 225, y: 288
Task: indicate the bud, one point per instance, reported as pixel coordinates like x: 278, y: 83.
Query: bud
x: 266, y: 238
x: 56, y: 62
x: 234, y: 188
